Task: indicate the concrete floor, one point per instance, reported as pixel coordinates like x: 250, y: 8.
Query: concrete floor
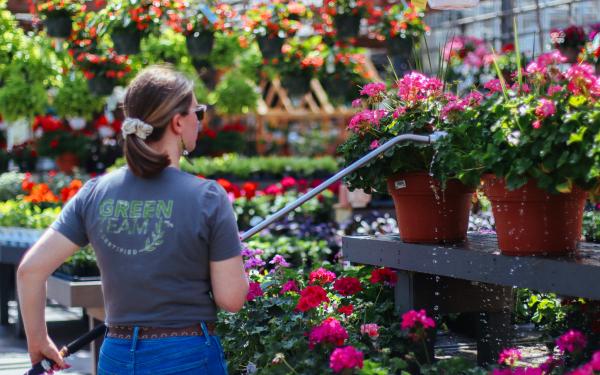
x: 64, y: 325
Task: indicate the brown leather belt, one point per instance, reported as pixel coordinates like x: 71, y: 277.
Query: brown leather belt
x: 126, y: 332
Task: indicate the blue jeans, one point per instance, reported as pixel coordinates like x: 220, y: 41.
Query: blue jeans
x: 185, y: 355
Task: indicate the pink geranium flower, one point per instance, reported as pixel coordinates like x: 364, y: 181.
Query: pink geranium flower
x: 416, y: 319
x: 415, y: 86
x: 321, y: 276
x: 329, y: 331
x: 545, y: 108
x: 347, y: 357
x: 289, y: 286
x: 279, y: 261
x: 374, y: 145
x: 509, y: 357
x: 373, y: 89
x: 571, y: 341
x: 493, y: 86
x: 371, y: 330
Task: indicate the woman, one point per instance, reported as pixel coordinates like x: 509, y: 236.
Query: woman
x: 167, y: 244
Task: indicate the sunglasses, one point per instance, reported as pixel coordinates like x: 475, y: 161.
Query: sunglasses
x: 200, y: 109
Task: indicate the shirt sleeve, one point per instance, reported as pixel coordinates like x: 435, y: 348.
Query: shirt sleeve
x: 224, y: 240
x: 71, y: 220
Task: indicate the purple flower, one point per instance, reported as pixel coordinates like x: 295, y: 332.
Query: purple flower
x: 253, y: 262
x: 571, y: 341
x: 279, y: 261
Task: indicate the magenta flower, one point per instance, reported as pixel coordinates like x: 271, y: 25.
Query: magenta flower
x: 474, y: 98
x: 415, y: 86
x: 356, y: 103
x: 583, y: 370
x: 545, y: 109
x: 371, y: 330
x: 254, y: 291
x: 289, y: 286
x: 493, y: 86
x: 582, y: 80
x: 509, y: 357
x: 416, y: 322
x: 571, y: 341
x: 550, y: 364
x: 551, y: 58
x: 452, y: 107
x: 329, y: 331
x: 537, y: 124
x: 399, y: 112
x: 373, y: 89
x: 279, y: 261
x: 415, y: 319
x: 535, y: 68
x: 366, y: 118
x: 374, y: 145
x: 554, y: 89
x: 595, y: 362
x: 345, y: 358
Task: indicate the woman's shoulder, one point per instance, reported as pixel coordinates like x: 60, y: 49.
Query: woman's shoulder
x: 198, y: 184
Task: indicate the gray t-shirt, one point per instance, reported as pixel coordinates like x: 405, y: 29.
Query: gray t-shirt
x: 153, y: 239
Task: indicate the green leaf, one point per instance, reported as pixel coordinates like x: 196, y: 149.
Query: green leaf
x: 577, y: 136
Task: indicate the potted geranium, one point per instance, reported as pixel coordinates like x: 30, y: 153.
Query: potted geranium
x: 103, y: 69
x: 591, y: 53
x: 128, y: 21
x: 346, y: 15
x: 272, y: 22
x: 401, y: 27
x: 569, y: 41
x: 200, y: 31
x: 431, y: 192
x: 75, y: 102
x: 540, y: 136
x: 301, y: 61
x: 57, y: 140
x: 57, y: 16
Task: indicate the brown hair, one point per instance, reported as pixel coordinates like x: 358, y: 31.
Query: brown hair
x: 154, y: 96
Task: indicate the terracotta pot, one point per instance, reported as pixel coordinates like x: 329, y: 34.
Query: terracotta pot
x: 428, y: 214
x: 67, y: 162
x: 531, y: 221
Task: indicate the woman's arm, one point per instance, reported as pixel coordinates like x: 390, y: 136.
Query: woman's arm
x: 229, y: 283
x: 45, y: 256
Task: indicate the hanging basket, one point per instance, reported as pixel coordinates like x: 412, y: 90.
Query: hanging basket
x: 127, y: 41
x: 296, y: 85
x: 59, y: 25
x: 339, y: 90
x: 101, y: 85
x: 347, y: 25
x: 452, y: 4
x: 398, y: 46
x: 270, y: 46
x: 200, y: 44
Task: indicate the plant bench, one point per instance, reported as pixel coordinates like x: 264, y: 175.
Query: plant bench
x: 475, y: 277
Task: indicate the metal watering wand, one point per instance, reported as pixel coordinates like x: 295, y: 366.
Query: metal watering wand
x: 47, y: 364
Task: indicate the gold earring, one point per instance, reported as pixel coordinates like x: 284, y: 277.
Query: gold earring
x: 185, y: 152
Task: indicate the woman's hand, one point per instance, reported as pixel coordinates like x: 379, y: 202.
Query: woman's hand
x: 45, y: 348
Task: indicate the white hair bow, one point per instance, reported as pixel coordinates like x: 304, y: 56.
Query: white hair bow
x: 137, y: 127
